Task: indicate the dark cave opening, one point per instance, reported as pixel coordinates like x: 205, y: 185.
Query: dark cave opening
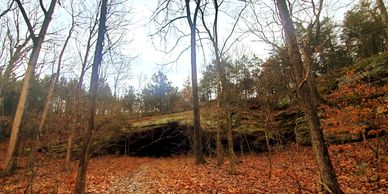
x: 157, y: 141
x: 171, y: 139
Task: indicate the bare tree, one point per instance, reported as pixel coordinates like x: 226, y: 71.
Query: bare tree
x: 198, y: 150
x: 326, y: 171
x: 116, y: 29
x: 91, y: 32
x: 167, y: 26
x: 10, y: 161
x: 83, y: 163
x: 224, y: 93
x: 121, y: 73
x: 47, y: 102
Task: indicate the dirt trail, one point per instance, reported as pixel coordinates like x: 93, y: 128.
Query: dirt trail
x: 132, y: 182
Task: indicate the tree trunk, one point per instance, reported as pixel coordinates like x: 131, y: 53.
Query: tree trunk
x: 69, y: 149
x: 308, y: 66
x: 267, y: 129
x: 326, y: 171
x: 269, y: 152
x: 229, y: 134
x: 219, y: 148
x: 10, y: 160
x: 198, y: 150
x: 70, y: 139
x: 83, y: 163
x: 50, y: 94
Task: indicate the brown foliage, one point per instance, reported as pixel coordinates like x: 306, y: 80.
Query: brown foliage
x: 356, y: 108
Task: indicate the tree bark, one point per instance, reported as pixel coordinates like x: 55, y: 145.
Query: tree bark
x: 326, y: 170
x: 10, y: 160
x: 198, y: 150
x: 83, y: 162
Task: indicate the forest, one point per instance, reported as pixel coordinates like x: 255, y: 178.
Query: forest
x: 281, y: 96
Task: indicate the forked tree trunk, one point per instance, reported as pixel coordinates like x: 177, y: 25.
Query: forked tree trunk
x: 10, y: 159
x: 326, y: 171
x: 308, y: 65
x: 198, y: 150
x: 83, y: 162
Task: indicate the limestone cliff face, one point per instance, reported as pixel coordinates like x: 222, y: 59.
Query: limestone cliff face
x: 373, y: 70
x: 171, y: 134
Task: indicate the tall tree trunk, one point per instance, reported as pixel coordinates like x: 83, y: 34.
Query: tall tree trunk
x: 69, y: 147
x: 326, y: 171
x: 219, y: 148
x: 50, y: 94
x: 229, y: 134
x: 10, y: 160
x: 266, y: 131
x: 198, y: 150
x: 267, y: 128
x: 83, y: 163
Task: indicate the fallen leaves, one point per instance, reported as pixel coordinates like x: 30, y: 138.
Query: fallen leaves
x: 293, y: 170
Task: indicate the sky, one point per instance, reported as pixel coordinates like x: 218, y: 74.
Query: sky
x: 149, y: 58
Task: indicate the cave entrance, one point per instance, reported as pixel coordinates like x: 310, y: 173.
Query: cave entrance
x: 154, y: 141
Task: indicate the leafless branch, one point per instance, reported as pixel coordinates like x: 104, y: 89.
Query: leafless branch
x: 25, y: 17
x: 8, y: 9
x: 42, y: 7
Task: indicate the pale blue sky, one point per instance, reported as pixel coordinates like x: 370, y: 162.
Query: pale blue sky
x: 149, y: 58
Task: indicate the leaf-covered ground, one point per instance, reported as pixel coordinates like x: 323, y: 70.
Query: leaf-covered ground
x: 293, y: 170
